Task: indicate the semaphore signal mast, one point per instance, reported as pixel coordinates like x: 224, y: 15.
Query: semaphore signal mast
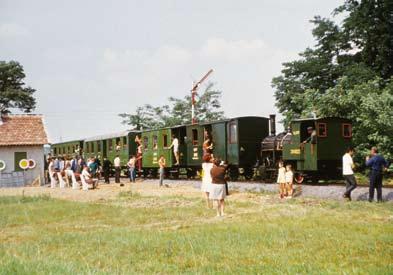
x: 193, y: 94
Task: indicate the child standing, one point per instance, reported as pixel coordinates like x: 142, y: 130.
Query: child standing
x: 289, y: 180
x: 162, y: 164
x: 131, y: 168
x: 281, y: 179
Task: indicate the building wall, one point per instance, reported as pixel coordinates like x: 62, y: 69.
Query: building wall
x: 9, y: 177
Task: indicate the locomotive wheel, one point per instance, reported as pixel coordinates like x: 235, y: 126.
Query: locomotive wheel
x: 314, y: 179
x: 191, y: 173
x: 234, y: 173
x: 145, y: 173
x: 248, y: 173
x: 299, y: 178
x: 154, y: 173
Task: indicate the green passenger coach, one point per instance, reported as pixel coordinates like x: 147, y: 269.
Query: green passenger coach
x: 67, y: 149
x: 110, y: 145
x: 236, y: 141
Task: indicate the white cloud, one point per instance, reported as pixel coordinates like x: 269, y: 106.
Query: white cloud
x: 243, y: 71
x: 10, y: 30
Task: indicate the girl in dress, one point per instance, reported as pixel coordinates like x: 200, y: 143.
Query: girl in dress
x: 281, y: 179
x: 207, y: 165
x: 289, y: 180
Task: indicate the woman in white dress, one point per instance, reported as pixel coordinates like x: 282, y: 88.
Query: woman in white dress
x: 218, y: 190
x: 207, y: 165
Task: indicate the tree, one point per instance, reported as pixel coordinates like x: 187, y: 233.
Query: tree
x: 348, y: 71
x: 177, y: 111
x: 368, y: 105
x: 13, y: 92
x: 364, y: 40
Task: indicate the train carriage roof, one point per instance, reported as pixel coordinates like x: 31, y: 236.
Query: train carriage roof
x: 202, y: 123
x: 110, y: 136
x: 66, y: 142
x: 319, y: 119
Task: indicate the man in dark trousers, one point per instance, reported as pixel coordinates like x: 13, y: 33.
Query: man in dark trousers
x: 117, y: 164
x: 377, y: 164
x: 106, y: 167
x: 348, y: 174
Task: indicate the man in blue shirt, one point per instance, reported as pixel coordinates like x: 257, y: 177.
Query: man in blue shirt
x: 378, y: 164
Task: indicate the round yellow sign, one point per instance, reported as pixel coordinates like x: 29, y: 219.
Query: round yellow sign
x: 24, y: 164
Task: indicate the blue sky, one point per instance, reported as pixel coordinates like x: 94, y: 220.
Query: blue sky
x: 90, y: 60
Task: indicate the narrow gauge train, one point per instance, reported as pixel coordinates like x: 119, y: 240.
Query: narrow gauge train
x: 236, y: 141
x: 312, y: 162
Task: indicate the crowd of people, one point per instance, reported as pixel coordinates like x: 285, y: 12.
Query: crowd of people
x: 66, y: 170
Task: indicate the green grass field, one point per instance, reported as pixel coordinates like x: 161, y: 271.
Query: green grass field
x: 176, y: 234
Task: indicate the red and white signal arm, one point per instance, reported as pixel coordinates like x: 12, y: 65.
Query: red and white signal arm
x: 32, y: 163
x: 2, y: 165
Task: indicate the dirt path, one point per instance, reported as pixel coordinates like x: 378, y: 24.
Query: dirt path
x: 244, y: 191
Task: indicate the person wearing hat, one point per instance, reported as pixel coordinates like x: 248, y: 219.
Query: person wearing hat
x: 312, y: 138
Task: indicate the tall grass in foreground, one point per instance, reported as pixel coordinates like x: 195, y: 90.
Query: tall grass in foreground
x: 136, y: 234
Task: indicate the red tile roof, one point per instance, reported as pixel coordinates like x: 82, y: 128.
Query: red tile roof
x: 22, y: 130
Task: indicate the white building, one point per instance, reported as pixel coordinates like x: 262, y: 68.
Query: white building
x: 22, y: 139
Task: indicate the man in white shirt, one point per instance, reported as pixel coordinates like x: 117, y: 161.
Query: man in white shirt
x: 348, y: 174
x: 117, y: 164
x: 175, y: 145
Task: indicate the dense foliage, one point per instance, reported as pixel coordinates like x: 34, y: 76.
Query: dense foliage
x: 13, y: 92
x: 177, y: 112
x: 348, y: 73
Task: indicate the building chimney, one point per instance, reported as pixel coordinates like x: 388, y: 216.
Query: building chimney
x: 273, y: 125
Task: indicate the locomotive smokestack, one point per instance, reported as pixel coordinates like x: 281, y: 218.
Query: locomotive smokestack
x: 273, y: 125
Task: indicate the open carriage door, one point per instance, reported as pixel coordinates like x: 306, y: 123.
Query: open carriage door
x: 309, y: 150
x: 219, y: 138
x: 233, y: 142
x: 181, y: 134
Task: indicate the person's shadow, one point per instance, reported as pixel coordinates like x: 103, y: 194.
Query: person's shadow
x: 364, y: 197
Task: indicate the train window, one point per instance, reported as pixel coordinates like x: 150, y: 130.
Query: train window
x: 125, y: 142
x: 347, y: 130
x: 92, y: 147
x: 145, y: 143
x: 73, y: 149
x: 98, y: 146
x: 194, y: 137
x: 155, y: 142
x: 232, y: 133
x: 118, y: 144
x: 55, y: 151
x: 110, y: 146
x: 322, y: 129
x: 165, y: 140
